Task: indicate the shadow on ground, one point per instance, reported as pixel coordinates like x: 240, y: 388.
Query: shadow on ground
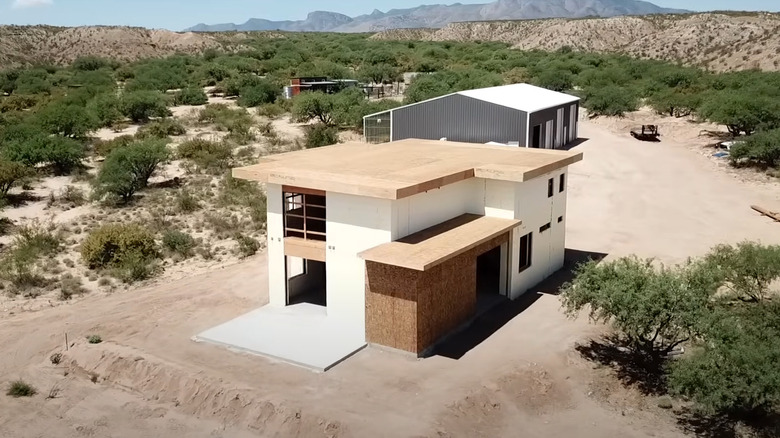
x: 483, y: 326
x: 21, y: 199
x: 729, y: 426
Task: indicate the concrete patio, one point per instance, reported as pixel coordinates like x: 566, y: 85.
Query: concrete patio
x: 301, y: 334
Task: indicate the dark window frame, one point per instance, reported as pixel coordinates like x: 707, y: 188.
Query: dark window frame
x: 550, y: 187
x: 306, y: 208
x: 545, y: 227
x: 562, y: 183
x: 525, y: 257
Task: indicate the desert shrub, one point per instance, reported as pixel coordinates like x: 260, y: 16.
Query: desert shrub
x: 142, y: 105
x: 237, y: 192
x: 94, y: 339
x: 191, y: 96
x: 20, y: 388
x: 71, y: 286
x: 104, y: 147
x: 73, y: 196
x: 36, y: 240
x: 128, y: 251
x: 247, y: 246
x: 69, y: 120
x: 106, y: 108
x: 747, y: 269
x: 207, y: 155
x: 128, y: 169
x: 741, y: 111
x: 320, y: 135
x: 55, y: 358
x: 270, y: 110
x: 319, y: 106
x: 762, y: 148
x: 179, y: 243
x: 734, y: 369
x: 89, y: 63
x: 262, y: 92
x: 610, y: 100
x: 237, y: 122
x: 19, y: 102
x: 186, y: 203
x: 162, y: 128
x: 6, y: 225
x: 555, y: 79
x: 63, y: 154
x: 10, y: 174
x: 654, y: 309
x: 19, y: 265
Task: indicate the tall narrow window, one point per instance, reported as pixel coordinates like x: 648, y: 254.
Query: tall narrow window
x: 526, y: 245
x: 550, y: 187
x: 562, y: 183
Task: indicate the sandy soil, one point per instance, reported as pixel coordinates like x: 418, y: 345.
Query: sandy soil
x: 656, y: 200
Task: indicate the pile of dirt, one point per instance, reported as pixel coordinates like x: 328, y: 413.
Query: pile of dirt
x: 20, y: 45
x: 717, y: 41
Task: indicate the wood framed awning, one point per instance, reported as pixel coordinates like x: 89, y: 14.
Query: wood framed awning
x: 430, y: 247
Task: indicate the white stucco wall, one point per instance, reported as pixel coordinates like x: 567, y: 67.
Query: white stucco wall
x: 535, y: 209
x: 355, y: 224
x: 277, y: 282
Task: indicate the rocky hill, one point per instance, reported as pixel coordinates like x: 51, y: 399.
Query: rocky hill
x: 58, y: 45
x: 718, y: 41
x: 441, y: 15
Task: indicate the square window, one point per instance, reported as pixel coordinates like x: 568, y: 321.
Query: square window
x: 526, y: 245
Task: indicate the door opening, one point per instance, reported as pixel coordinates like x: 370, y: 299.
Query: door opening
x: 306, y: 282
x: 536, y: 138
x: 489, y: 272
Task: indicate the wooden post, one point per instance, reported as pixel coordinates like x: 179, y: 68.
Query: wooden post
x: 67, y: 347
x: 767, y: 213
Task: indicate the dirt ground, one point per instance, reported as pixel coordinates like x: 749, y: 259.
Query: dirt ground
x: 524, y: 378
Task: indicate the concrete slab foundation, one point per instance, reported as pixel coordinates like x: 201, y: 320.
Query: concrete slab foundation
x: 301, y: 334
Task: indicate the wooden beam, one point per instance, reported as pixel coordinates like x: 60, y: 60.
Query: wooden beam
x: 304, y: 248
x: 302, y: 191
x: 771, y: 214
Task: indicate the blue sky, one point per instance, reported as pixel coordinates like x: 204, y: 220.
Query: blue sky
x: 179, y: 14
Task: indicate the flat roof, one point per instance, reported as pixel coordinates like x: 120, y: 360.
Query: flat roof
x: 433, y: 246
x: 522, y: 97
x: 404, y: 168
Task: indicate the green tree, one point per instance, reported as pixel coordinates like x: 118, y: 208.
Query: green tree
x: 140, y: 106
x: 89, y: 63
x: 258, y: 94
x: 741, y: 111
x: 128, y: 169
x: 106, y: 108
x: 67, y: 120
x: 734, y: 370
x: 762, y: 148
x: 10, y: 173
x: 556, y: 80
x: 63, y: 154
x: 610, y: 100
x: 747, y: 269
x: 655, y: 309
x: 378, y: 73
x: 316, y: 105
x: 674, y: 102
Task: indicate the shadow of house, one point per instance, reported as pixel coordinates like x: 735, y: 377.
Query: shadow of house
x: 488, y: 322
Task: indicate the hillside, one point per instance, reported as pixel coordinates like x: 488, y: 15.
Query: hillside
x: 59, y: 45
x: 718, y: 41
x: 440, y: 15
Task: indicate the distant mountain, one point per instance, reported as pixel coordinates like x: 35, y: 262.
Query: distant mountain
x: 436, y: 16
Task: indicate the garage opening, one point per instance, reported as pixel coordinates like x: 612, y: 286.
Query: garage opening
x: 306, y: 282
x: 536, y: 137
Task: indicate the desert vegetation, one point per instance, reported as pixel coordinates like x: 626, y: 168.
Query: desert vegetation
x: 720, y: 310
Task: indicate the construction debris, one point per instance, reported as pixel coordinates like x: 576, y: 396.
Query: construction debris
x: 771, y: 214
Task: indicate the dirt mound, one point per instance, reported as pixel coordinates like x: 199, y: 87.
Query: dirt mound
x: 717, y: 41
x: 191, y: 394
x: 20, y: 45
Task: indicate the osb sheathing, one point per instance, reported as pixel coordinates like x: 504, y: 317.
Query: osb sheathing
x: 410, y: 310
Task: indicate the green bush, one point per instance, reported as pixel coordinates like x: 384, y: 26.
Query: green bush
x: 321, y: 135
x: 10, y: 174
x: 610, y: 100
x: 119, y: 246
x: 63, y: 154
x: 20, y: 388
x: 106, y: 108
x: 191, y: 96
x: 94, y: 339
x: 69, y: 120
x: 128, y: 169
x: 263, y: 92
x: 179, y: 243
x: 89, y: 63
x: 762, y: 148
x: 70, y: 286
x: 247, y: 246
x: 162, y: 128
x: 104, y: 147
x: 187, y: 203
x: 140, y: 106
x: 207, y: 155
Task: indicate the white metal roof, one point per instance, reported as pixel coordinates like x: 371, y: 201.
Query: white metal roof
x: 523, y: 97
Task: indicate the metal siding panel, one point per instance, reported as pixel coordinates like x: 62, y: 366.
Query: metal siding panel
x: 459, y: 118
x: 543, y: 116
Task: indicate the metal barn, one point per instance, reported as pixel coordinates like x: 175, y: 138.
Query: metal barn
x: 517, y: 115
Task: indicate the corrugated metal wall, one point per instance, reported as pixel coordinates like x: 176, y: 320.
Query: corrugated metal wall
x: 460, y: 118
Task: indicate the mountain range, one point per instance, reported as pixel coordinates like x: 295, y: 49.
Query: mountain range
x: 436, y: 16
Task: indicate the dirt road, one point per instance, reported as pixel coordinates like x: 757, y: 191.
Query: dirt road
x: 151, y: 380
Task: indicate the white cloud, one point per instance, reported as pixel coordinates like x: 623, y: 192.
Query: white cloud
x: 24, y: 4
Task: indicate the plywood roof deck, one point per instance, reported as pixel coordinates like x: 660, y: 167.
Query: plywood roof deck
x: 433, y: 246
x: 403, y: 168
